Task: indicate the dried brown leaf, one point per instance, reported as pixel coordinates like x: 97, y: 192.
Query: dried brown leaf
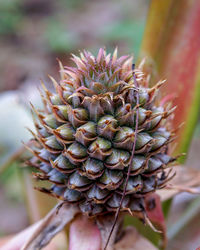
x: 48, y: 227
x: 185, y: 180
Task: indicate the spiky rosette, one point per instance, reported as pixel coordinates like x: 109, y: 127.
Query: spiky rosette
x: 85, y: 136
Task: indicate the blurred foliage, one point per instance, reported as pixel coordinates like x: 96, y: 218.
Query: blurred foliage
x: 10, y: 180
x: 125, y: 31
x: 14, y: 118
x: 59, y: 38
x: 75, y: 4
x: 10, y: 16
x: 197, y: 131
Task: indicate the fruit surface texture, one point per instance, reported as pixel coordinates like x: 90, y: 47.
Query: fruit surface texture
x: 85, y: 134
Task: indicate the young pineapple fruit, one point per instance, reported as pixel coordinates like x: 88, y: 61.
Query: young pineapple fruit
x: 85, y: 136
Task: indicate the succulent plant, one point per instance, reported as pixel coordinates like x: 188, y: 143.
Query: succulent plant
x: 85, y: 136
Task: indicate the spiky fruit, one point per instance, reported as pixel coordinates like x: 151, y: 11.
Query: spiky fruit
x: 86, y: 131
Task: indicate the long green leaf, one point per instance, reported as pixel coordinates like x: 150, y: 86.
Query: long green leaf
x: 172, y: 44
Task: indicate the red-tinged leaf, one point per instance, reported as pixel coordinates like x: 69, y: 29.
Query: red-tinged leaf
x: 176, y: 57
x: 84, y: 235
x: 155, y: 214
